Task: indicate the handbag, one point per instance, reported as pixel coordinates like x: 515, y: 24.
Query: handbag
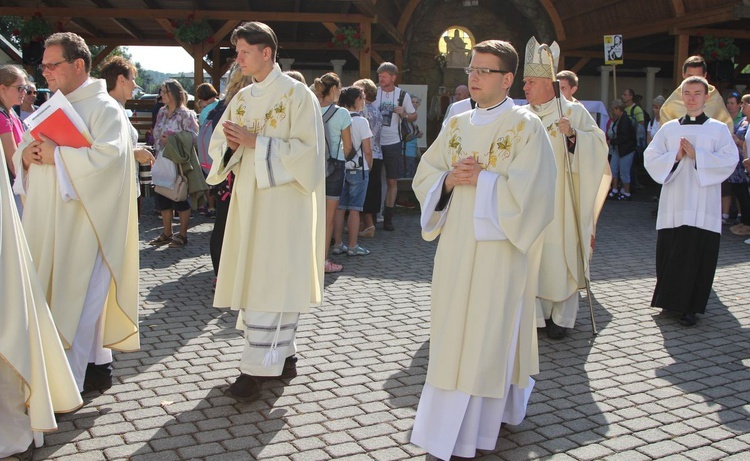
x: 163, y: 172
x: 179, y: 190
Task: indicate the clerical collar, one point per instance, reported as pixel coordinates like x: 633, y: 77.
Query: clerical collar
x: 493, y: 107
x: 689, y: 120
x: 481, y: 116
x: 257, y: 88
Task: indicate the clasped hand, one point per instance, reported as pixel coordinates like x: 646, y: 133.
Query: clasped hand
x: 685, y: 149
x: 464, y: 173
x: 238, y: 135
x: 39, y: 152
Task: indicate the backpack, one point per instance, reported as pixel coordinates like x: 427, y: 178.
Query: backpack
x: 640, y: 130
x: 330, y: 160
x: 204, y: 135
x: 355, y: 151
x: 406, y: 130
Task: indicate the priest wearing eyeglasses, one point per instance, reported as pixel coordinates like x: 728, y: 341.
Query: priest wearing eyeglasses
x: 80, y: 219
x: 486, y: 187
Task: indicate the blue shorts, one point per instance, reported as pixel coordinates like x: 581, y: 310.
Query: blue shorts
x: 354, y: 191
x: 335, y: 180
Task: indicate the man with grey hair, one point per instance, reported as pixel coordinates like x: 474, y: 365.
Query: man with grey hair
x: 394, y: 104
x: 80, y: 218
x: 462, y: 103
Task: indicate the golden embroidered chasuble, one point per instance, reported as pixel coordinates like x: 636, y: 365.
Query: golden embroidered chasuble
x: 561, y: 272
x: 480, y: 288
x: 272, y: 257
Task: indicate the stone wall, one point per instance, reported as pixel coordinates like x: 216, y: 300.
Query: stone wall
x: 498, y: 20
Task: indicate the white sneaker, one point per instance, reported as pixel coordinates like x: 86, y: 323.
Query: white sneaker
x: 747, y: 241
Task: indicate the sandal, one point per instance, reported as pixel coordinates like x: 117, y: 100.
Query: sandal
x: 178, y: 241
x: 339, y: 248
x: 331, y: 268
x: 358, y: 250
x: 369, y: 232
x: 163, y: 239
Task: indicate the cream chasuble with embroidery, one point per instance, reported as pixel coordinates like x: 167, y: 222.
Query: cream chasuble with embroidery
x: 29, y: 343
x: 561, y: 273
x: 272, y: 257
x: 482, y: 278
x: 65, y: 234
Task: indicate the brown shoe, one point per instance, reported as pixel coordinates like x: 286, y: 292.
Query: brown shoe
x: 178, y: 241
x: 740, y: 229
x: 245, y: 389
x: 369, y: 232
x: 163, y: 239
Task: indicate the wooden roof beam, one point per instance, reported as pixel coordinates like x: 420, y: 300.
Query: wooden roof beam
x: 695, y: 19
x: 595, y: 6
x: 133, y: 13
x: 678, y: 8
x: 636, y: 56
x: 126, y: 26
x: 733, y: 33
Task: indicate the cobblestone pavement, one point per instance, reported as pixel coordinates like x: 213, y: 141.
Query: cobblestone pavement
x: 645, y: 388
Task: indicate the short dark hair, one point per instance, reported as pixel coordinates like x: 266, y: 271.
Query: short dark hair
x: 695, y: 61
x: 115, y: 66
x: 734, y: 95
x: 569, y: 76
x: 256, y: 33
x: 630, y: 91
x: 503, y: 50
x: 349, y: 95
x: 73, y: 46
x: 695, y: 79
x: 206, y: 91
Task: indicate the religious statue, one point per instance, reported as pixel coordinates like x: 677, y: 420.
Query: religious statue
x: 457, y: 54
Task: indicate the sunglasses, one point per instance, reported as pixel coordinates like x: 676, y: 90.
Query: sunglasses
x: 30, y: 91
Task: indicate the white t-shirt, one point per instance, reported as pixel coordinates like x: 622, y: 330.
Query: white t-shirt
x: 360, y: 130
x: 386, y: 101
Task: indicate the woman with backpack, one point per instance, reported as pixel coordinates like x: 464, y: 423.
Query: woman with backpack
x: 336, y: 121
x: 621, y: 137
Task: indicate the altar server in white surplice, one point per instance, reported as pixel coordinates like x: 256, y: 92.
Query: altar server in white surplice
x: 577, y: 136
x: 80, y: 219
x: 34, y: 374
x: 271, y: 269
x: 486, y: 186
x: 691, y: 156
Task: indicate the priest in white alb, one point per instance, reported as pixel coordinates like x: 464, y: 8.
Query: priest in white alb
x: 271, y: 268
x: 486, y: 186
x: 35, y: 378
x: 691, y: 156
x: 577, y: 139
x: 80, y: 219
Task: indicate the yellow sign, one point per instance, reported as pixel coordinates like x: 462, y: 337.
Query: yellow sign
x: 612, y: 49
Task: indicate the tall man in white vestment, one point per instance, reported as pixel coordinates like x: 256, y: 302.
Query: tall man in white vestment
x: 486, y: 186
x: 35, y: 378
x: 80, y: 218
x: 575, y: 136
x: 271, y: 270
x: 691, y: 156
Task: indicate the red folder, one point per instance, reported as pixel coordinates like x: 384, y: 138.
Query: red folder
x: 61, y: 130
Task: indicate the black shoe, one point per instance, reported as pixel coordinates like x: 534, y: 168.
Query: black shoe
x: 245, y: 389
x: 555, y: 331
x: 688, y: 319
x: 290, y: 368
x: 388, y: 219
x: 98, y: 378
x: 27, y: 455
x: 624, y: 198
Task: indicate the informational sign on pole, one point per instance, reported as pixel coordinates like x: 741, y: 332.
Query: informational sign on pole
x: 612, y: 49
x: 613, y: 56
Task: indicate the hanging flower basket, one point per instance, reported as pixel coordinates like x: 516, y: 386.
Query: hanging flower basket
x: 441, y: 60
x: 34, y: 29
x: 191, y: 31
x: 348, y: 37
x: 718, y: 48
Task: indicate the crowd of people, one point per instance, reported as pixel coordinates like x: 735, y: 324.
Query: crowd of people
x: 519, y: 184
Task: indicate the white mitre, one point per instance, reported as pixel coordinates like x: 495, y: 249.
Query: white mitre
x: 536, y: 63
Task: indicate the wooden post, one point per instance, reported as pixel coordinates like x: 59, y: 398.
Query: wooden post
x: 216, y: 69
x: 399, y: 58
x: 681, y: 44
x: 365, y: 56
x: 198, y: 61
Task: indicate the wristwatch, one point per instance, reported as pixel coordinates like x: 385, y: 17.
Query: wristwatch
x: 574, y: 133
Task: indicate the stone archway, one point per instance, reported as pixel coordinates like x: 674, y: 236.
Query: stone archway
x: 501, y: 19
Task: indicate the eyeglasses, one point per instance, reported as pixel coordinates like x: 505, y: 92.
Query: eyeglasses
x: 19, y: 88
x: 52, y: 66
x: 30, y: 91
x: 484, y: 71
